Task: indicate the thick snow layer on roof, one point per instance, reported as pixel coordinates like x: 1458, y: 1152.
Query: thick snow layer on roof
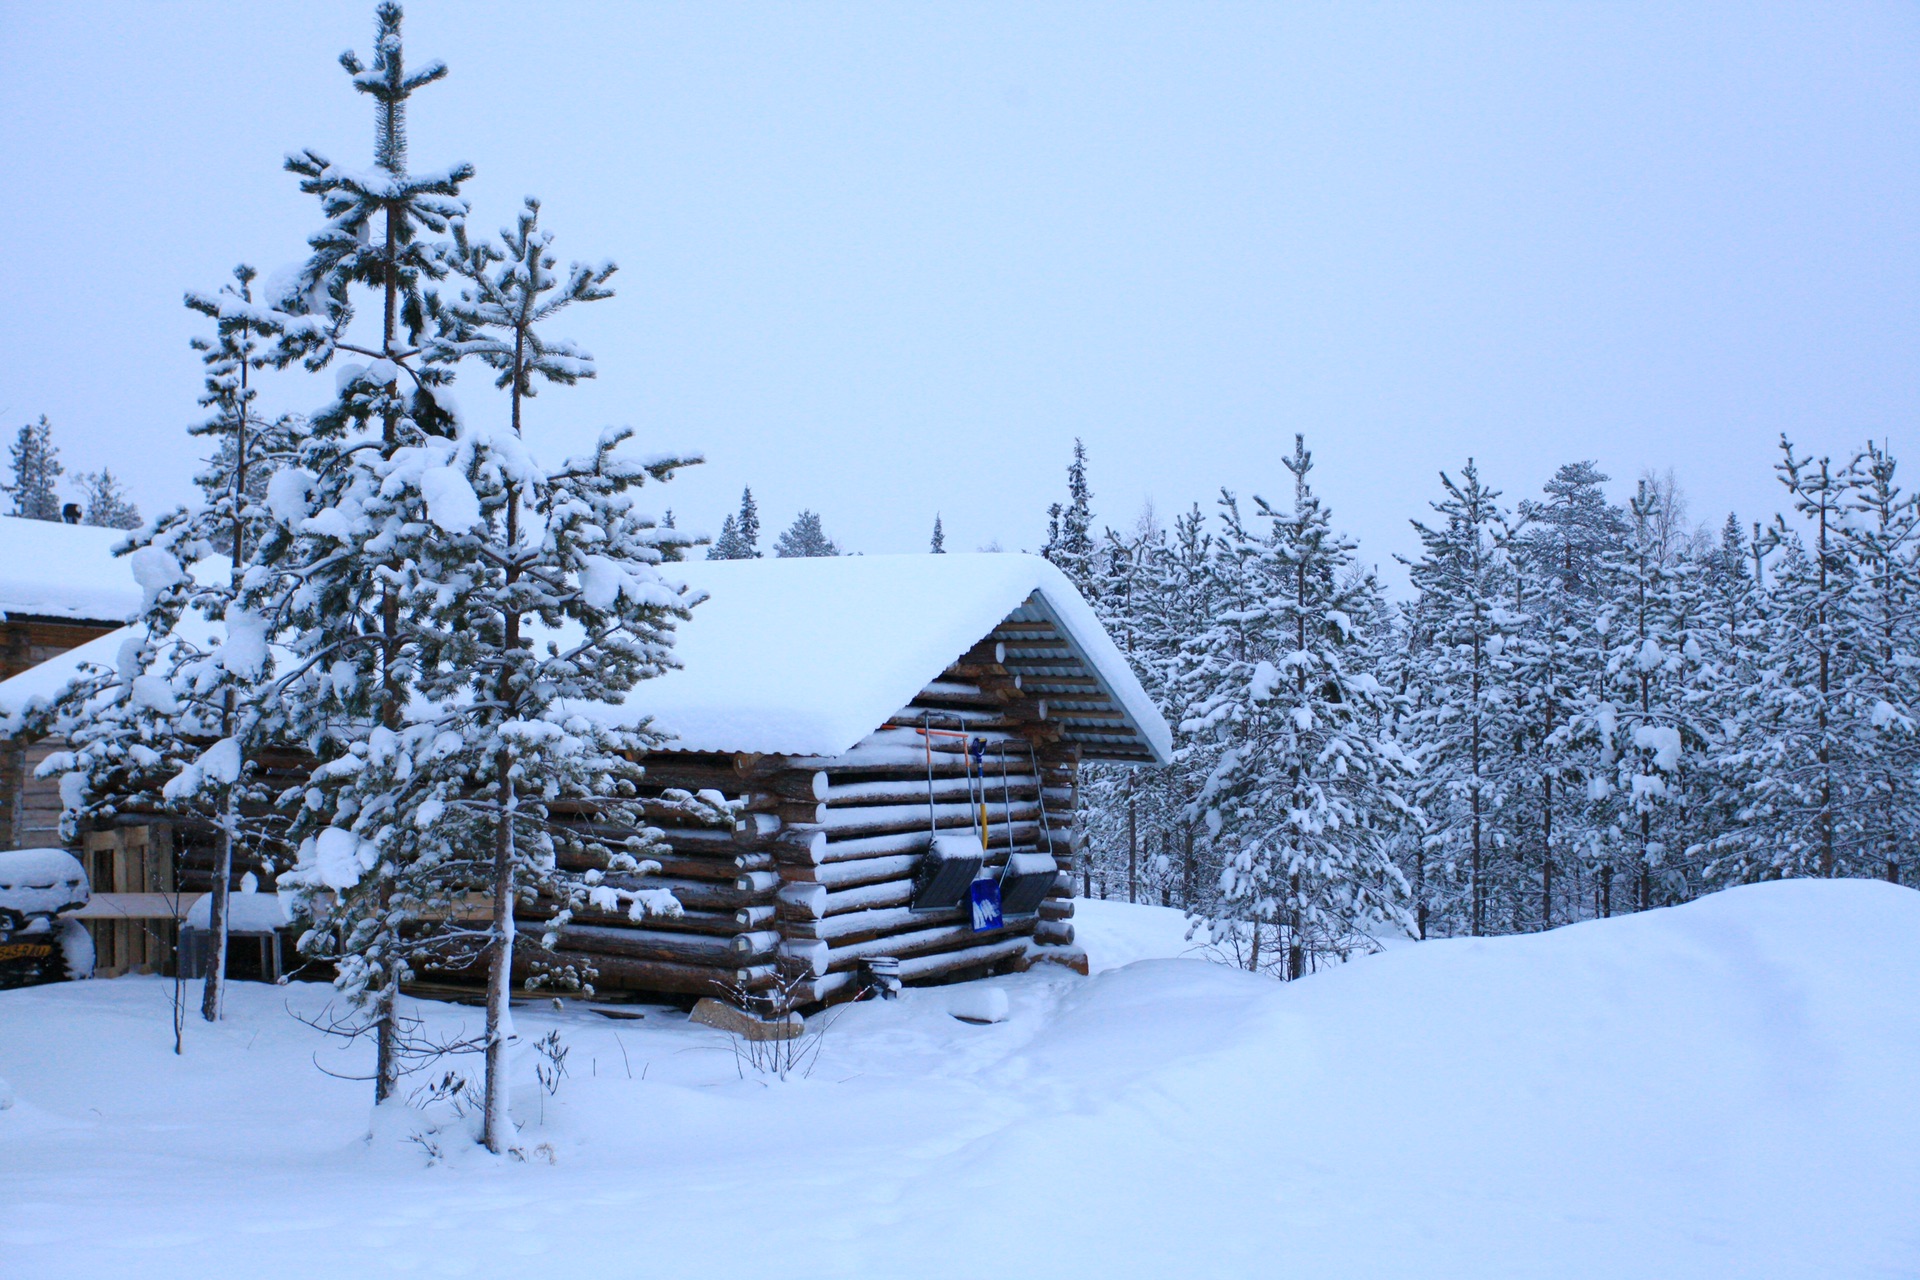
x: 54, y: 570
x: 38, y: 686
x: 809, y: 656
x: 799, y: 656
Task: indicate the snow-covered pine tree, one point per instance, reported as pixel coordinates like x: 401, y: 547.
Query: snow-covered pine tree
x: 335, y: 565
x: 805, y: 538
x: 36, y: 466
x: 1883, y: 540
x: 1644, y: 723
x: 1567, y: 543
x: 1216, y: 656
x: 1305, y: 792
x: 104, y: 502
x: 1466, y: 725
x: 939, y: 547
x: 1731, y: 629
x: 1108, y: 793
x: 749, y: 524
x: 518, y: 550
x: 176, y: 724
x: 739, y: 534
x: 1069, y: 542
x: 1183, y: 593
x: 1797, y: 821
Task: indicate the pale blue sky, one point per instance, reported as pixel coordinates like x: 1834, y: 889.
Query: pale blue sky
x: 885, y: 260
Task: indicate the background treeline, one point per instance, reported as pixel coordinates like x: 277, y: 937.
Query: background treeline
x: 34, y: 462
x: 1582, y: 709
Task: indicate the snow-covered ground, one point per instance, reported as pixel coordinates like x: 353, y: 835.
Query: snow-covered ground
x: 1730, y: 1088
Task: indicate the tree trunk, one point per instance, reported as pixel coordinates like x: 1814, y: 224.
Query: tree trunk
x: 1133, y: 845
x: 1546, y: 856
x: 1296, y: 953
x: 498, y: 1124
x: 213, y: 992
x: 386, y: 1041
x: 1419, y: 889
x: 1188, y: 871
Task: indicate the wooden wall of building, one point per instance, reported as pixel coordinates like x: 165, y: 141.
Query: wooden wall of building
x: 818, y: 874
x: 30, y: 806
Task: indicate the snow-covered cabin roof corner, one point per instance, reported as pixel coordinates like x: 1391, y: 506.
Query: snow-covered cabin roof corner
x: 65, y: 571
x: 806, y: 657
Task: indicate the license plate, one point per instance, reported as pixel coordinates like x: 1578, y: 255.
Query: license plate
x: 25, y: 951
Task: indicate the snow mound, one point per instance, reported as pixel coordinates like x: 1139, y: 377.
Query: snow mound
x: 1719, y: 1089
x: 1114, y: 934
x: 978, y: 1002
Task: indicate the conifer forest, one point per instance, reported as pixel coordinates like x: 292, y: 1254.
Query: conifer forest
x: 1582, y: 708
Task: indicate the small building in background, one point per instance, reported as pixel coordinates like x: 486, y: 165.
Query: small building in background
x: 61, y: 586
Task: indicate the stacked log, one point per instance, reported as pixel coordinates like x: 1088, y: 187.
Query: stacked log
x: 816, y: 874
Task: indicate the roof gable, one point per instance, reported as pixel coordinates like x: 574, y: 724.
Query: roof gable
x: 809, y: 656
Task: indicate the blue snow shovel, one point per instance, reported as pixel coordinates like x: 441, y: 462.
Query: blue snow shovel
x: 985, y: 896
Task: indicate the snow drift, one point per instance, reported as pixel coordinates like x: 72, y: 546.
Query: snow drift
x: 1724, y: 1088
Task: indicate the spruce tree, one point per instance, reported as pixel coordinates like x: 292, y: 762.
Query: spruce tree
x: 1069, y: 542
x: 104, y: 502
x: 36, y: 466
x: 739, y: 535
x: 1304, y: 792
x: 1469, y: 717
x: 1568, y: 543
x: 805, y: 538
x: 939, y: 547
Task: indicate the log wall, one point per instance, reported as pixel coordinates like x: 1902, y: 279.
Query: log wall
x: 30, y: 806
x: 818, y: 873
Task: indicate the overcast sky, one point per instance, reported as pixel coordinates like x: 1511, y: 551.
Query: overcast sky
x: 888, y: 260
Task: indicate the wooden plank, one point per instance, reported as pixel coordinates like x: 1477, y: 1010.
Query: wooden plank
x: 137, y: 906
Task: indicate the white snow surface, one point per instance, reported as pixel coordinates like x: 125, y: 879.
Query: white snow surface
x: 54, y: 570
x: 1720, y: 1089
x: 809, y: 656
x: 246, y: 912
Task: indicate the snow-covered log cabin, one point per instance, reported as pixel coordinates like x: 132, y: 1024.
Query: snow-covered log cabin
x: 891, y: 727
x: 838, y: 698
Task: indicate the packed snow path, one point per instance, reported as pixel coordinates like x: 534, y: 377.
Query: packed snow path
x: 1726, y: 1088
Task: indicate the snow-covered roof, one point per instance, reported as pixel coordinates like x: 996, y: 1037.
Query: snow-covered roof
x: 808, y: 656
x: 54, y: 570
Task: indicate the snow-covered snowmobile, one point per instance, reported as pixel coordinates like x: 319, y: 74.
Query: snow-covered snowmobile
x: 38, y: 943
